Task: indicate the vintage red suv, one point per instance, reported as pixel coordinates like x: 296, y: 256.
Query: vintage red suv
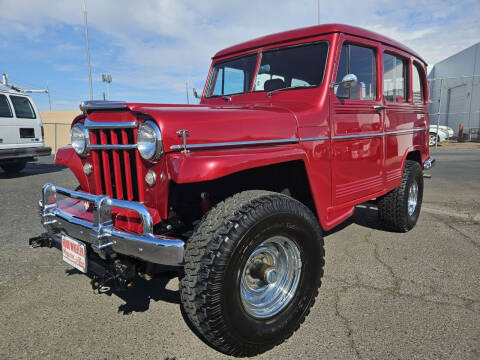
x: 292, y: 131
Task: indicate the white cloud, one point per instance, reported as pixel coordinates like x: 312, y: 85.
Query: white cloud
x: 163, y: 41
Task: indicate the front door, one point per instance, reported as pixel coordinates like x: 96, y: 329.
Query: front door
x: 357, y: 131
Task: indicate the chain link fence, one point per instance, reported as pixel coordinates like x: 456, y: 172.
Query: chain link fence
x: 455, y: 101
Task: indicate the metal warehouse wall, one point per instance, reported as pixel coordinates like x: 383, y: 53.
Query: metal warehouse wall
x: 454, y: 86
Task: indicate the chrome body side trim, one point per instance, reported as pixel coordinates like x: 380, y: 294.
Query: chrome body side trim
x: 356, y: 136
x: 112, y: 146
x: 89, y: 124
x: 234, y: 143
x: 378, y: 134
x: 404, y: 131
x: 314, y: 138
x: 102, y: 105
x: 101, y: 233
x: 429, y: 163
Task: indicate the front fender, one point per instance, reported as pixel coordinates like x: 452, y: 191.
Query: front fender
x: 213, y: 164
x: 66, y: 156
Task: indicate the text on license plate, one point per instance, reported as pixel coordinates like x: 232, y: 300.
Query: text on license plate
x: 74, y: 253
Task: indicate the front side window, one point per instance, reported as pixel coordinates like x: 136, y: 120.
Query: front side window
x: 232, y: 76
x: 360, y: 61
x: 5, y: 110
x: 292, y: 67
x: 417, y: 85
x: 394, y: 78
x: 23, y: 107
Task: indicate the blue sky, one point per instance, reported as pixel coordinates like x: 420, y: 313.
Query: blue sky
x: 152, y: 48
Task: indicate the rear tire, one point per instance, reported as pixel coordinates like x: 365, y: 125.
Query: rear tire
x: 400, y: 208
x: 218, y: 264
x: 14, y: 167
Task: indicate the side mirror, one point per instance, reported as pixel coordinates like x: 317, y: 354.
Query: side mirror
x: 349, y: 81
x: 196, y: 94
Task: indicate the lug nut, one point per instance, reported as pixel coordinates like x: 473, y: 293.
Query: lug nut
x: 270, y: 275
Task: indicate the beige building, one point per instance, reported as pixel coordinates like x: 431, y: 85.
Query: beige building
x: 56, y: 125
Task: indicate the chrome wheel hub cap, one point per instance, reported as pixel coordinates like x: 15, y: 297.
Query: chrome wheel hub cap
x: 270, y: 277
x: 412, y: 198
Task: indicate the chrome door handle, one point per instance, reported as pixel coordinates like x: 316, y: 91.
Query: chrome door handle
x: 379, y: 107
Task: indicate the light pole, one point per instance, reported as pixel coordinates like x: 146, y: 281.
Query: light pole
x: 107, y: 78
x: 87, y: 48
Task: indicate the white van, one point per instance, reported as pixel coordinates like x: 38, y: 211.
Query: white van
x: 21, y: 131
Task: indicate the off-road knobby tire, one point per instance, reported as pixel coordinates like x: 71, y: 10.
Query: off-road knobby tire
x: 13, y: 167
x: 393, y: 207
x: 215, y: 255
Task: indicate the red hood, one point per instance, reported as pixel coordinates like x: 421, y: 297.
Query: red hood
x: 219, y: 124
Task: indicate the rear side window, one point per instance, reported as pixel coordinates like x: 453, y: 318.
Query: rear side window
x: 5, y: 110
x: 394, y: 78
x: 23, y: 107
x: 360, y: 61
x: 417, y: 85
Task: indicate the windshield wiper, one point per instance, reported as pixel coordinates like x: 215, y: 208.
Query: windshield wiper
x: 270, y: 93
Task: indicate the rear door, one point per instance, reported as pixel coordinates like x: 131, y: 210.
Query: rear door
x: 8, y: 127
x: 357, y: 142
x: 28, y: 121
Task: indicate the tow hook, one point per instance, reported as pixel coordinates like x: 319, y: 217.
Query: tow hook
x: 110, y: 282
x: 41, y: 241
x: 119, y: 279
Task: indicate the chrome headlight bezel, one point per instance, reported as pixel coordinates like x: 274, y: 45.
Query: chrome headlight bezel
x: 81, y: 130
x: 151, y: 150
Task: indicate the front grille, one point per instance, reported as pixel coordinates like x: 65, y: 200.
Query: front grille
x: 116, y: 169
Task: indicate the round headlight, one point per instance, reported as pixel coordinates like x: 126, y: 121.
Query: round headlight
x: 149, y: 141
x: 79, y: 139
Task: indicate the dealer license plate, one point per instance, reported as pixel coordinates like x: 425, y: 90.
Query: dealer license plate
x: 74, y: 253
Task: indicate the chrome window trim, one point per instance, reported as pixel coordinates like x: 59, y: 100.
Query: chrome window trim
x: 89, y: 124
x: 234, y: 143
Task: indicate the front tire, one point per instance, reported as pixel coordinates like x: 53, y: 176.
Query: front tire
x: 252, y: 271
x: 400, y: 208
x: 13, y: 167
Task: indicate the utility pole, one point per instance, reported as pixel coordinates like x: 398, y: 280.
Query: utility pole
x: 318, y: 8
x: 49, y: 100
x: 186, y: 87
x: 87, y: 48
x: 107, y: 78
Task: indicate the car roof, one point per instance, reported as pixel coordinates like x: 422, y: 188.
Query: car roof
x: 311, y: 31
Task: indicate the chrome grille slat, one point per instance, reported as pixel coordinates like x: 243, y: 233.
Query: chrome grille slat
x: 112, y: 147
x: 116, y: 163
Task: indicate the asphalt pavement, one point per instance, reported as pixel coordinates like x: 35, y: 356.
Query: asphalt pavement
x: 384, y: 295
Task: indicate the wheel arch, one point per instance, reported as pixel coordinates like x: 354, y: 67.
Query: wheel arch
x: 288, y: 176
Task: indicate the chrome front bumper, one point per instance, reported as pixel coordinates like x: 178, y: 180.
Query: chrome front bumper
x: 101, y: 234
x: 429, y: 163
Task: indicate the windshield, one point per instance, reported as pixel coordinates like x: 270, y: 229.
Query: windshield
x: 296, y: 66
x: 290, y: 67
x: 232, y: 76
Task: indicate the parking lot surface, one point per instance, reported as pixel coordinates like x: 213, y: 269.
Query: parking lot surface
x: 384, y: 295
